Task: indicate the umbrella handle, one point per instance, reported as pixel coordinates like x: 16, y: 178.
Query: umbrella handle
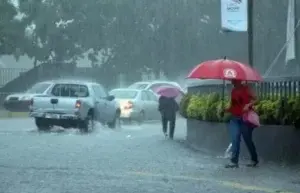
x: 223, y: 98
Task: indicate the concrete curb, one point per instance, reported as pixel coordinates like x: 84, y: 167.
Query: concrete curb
x: 274, y: 143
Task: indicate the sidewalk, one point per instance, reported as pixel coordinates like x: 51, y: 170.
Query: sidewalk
x: 269, y: 177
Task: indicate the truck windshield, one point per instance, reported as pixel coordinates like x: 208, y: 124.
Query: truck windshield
x: 39, y: 88
x: 70, y: 90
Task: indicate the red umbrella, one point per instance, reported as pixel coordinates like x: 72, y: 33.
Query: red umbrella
x: 226, y: 70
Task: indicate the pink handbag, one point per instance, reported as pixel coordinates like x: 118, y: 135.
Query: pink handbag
x: 252, y: 118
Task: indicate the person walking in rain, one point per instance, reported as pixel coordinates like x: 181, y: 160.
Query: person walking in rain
x: 242, y: 100
x: 168, y: 107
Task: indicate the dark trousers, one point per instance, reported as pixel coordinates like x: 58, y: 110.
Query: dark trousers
x: 238, y: 128
x: 168, y: 118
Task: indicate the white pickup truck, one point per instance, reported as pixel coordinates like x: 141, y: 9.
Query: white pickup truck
x: 74, y: 104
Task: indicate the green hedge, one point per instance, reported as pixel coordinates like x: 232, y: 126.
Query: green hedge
x: 209, y: 107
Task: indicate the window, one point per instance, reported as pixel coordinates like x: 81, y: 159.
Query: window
x: 70, y: 90
x: 39, y: 88
x: 152, y: 96
x: 124, y: 94
x: 145, y: 96
x: 99, y: 91
x: 138, y: 86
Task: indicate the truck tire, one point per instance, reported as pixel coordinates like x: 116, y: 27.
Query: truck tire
x: 42, y: 124
x: 88, y: 124
x: 116, y: 120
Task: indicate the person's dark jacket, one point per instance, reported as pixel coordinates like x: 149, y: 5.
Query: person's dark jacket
x: 167, y: 106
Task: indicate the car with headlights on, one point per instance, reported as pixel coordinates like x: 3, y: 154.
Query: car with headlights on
x: 20, y: 102
x: 154, y: 85
x: 136, y: 105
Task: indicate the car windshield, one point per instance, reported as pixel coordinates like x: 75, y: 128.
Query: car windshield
x: 70, y: 90
x: 138, y: 85
x: 39, y: 88
x: 124, y: 94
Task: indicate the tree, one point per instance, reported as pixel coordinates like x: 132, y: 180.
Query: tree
x: 11, y: 30
x: 158, y: 35
x: 65, y: 29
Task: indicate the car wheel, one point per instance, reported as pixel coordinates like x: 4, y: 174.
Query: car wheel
x: 42, y: 124
x: 141, y: 118
x: 129, y: 121
x: 88, y: 124
x: 115, y: 121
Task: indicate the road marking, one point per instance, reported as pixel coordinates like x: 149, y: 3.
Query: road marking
x: 234, y: 185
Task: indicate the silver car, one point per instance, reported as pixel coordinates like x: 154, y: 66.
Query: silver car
x: 20, y: 102
x: 154, y: 85
x: 75, y: 104
x: 137, y: 105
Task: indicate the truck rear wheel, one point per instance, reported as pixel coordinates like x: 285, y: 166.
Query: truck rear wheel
x: 42, y: 124
x: 116, y: 121
x: 88, y: 124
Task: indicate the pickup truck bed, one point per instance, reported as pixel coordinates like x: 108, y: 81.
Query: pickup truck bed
x: 62, y: 111
x: 54, y: 105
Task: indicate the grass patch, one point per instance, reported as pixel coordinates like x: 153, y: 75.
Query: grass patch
x: 7, y: 114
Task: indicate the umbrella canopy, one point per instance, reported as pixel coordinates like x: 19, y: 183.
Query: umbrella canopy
x: 171, y: 92
x: 226, y: 70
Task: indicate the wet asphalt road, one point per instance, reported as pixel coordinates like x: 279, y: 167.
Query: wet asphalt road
x: 133, y: 159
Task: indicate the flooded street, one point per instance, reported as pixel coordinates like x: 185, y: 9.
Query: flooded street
x: 70, y: 63
x: 129, y: 159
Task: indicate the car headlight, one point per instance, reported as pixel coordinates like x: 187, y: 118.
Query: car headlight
x: 7, y: 98
x: 26, y: 98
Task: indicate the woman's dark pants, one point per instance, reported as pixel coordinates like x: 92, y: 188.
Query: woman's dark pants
x: 168, y: 117
x: 238, y: 128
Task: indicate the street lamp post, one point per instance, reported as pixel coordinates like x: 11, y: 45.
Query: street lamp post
x: 228, y: 16
x: 250, y: 32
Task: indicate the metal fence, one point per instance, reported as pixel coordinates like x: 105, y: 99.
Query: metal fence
x: 270, y: 88
x: 21, y: 82
x: 8, y: 74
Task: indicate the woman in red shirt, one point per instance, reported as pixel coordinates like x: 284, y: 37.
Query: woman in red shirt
x: 242, y: 100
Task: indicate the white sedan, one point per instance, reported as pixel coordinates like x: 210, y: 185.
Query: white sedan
x: 137, y: 105
x: 154, y: 85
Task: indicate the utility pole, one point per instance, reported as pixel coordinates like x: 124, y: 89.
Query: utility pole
x: 250, y: 32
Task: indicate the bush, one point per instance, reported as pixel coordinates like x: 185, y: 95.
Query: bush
x: 183, y: 105
x: 222, y: 116
x: 292, y: 112
x: 210, y: 107
x: 268, y: 111
x: 196, y: 106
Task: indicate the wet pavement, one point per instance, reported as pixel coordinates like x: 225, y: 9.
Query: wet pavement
x: 132, y: 159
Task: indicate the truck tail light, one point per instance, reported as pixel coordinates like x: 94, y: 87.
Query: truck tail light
x: 129, y: 105
x: 78, y: 104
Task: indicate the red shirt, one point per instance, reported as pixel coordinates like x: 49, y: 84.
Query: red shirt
x: 240, y: 96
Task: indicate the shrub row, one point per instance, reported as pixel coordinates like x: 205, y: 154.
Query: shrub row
x: 210, y: 107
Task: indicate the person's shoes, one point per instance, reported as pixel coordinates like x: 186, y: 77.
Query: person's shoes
x: 232, y: 165
x: 171, y: 137
x: 252, y: 164
x: 166, y: 135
